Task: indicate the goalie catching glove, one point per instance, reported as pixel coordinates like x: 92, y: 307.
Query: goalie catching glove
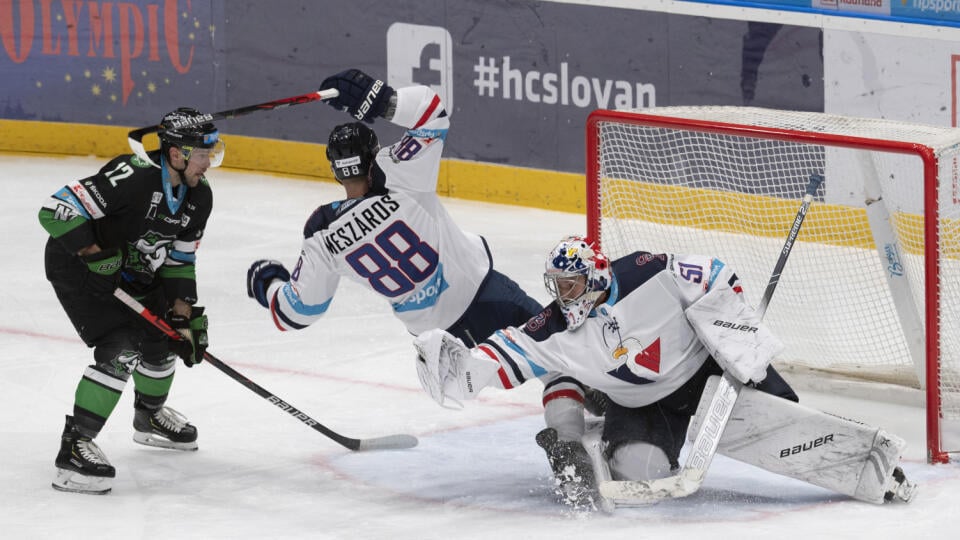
x: 449, y: 370
x: 193, y: 345
x: 364, y: 97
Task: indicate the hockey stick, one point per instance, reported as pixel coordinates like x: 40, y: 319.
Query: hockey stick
x: 388, y: 442
x: 704, y: 447
x: 135, y: 137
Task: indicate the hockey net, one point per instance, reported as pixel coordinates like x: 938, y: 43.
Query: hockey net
x: 872, y: 288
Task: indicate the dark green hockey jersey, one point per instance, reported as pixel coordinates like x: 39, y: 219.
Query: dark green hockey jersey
x: 130, y: 205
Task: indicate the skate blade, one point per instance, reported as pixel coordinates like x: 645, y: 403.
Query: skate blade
x: 906, y: 491
x: 151, y: 439
x: 74, y: 482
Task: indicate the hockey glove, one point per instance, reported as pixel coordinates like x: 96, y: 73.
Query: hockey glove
x: 259, y: 277
x: 103, y: 274
x: 194, y: 331
x: 364, y: 97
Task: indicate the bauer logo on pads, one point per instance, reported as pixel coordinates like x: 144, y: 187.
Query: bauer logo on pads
x: 419, y: 54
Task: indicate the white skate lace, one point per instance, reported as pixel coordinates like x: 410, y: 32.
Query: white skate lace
x: 91, y: 452
x: 170, y: 419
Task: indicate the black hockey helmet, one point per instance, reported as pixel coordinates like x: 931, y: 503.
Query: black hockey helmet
x: 186, y: 129
x: 351, y: 150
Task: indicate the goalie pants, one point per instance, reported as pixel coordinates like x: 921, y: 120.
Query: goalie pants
x: 499, y: 303
x: 664, y: 423
x: 123, y: 343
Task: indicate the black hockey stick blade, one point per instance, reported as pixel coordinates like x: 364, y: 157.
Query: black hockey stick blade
x: 135, y: 137
x: 388, y: 442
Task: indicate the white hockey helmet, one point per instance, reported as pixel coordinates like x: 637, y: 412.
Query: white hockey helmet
x: 576, y: 276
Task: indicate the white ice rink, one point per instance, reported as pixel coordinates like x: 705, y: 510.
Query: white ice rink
x: 476, y: 474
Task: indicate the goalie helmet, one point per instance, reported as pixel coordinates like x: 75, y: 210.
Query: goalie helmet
x: 576, y: 276
x: 186, y: 129
x: 351, y: 150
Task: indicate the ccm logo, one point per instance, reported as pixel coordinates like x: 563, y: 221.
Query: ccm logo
x: 735, y: 326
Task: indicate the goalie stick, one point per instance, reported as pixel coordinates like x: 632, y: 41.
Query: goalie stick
x: 388, y: 442
x: 135, y: 137
x: 704, y: 447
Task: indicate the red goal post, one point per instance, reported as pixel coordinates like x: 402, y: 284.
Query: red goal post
x: 872, y: 290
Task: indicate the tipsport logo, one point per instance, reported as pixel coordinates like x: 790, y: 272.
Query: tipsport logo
x: 427, y: 296
x: 419, y: 54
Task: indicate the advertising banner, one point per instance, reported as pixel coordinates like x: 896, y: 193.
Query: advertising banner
x: 933, y: 12
x: 519, y: 77
x: 115, y: 63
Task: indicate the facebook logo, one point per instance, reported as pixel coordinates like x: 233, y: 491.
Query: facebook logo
x: 418, y: 54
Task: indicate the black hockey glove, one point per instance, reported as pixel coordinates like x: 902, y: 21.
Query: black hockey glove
x: 259, y: 277
x: 194, y: 331
x: 103, y: 271
x: 364, y: 97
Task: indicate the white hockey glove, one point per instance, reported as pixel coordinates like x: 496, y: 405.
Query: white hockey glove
x: 733, y: 334
x: 448, y: 370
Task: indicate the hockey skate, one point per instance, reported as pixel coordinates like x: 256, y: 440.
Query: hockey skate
x: 902, y: 490
x: 164, y: 428
x: 81, y: 465
x: 572, y: 470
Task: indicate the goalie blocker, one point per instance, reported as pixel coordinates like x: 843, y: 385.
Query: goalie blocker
x: 790, y: 439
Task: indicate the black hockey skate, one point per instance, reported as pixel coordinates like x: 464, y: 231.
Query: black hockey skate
x: 572, y: 470
x: 902, y: 490
x: 81, y: 465
x: 164, y: 428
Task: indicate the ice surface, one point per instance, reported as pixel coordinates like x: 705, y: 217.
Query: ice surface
x: 260, y: 474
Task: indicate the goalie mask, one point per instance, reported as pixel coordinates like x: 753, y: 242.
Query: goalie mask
x: 576, y: 277
x: 351, y: 150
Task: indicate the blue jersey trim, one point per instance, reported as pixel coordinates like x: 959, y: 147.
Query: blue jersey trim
x: 537, y: 370
x: 299, y: 307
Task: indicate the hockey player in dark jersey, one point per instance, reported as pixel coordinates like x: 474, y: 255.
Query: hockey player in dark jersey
x: 136, y: 224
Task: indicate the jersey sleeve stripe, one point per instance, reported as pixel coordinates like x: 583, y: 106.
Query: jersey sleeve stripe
x: 85, y: 199
x: 507, y: 361
x: 537, y: 370
x: 428, y: 114
x: 563, y: 393
x: 505, y: 381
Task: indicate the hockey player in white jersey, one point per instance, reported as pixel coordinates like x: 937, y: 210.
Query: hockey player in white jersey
x: 651, y: 332
x: 393, y: 235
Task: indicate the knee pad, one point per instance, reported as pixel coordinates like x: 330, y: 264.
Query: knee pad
x: 117, y: 355
x: 638, y: 461
x: 565, y: 416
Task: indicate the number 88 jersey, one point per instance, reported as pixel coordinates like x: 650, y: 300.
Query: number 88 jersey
x: 398, y: 240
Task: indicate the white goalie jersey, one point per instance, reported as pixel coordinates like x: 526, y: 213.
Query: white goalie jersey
x: 640, y: 345
x: 397, y: 241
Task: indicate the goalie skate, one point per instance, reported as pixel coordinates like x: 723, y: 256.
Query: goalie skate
x: 164, y: 428
x: 902, y: 490
x: 572, y: 470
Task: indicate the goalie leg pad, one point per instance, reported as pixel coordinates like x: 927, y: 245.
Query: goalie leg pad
x: 595, y: 447
x: 803, y: 443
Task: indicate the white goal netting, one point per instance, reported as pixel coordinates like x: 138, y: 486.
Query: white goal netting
x: 878, y: 256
